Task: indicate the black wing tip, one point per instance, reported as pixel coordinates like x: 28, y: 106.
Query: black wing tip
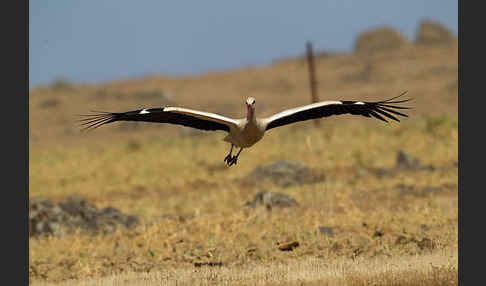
x: 391, y: 100
x: 388, y: 109
x: 94, y: 120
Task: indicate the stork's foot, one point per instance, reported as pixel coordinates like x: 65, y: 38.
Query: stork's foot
x: 228, y: 158
x: 232, y: 161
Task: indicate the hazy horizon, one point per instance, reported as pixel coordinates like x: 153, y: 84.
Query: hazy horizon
x: 98, y: 41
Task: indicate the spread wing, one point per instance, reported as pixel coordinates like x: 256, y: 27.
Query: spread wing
x: 378, y: 109
x: 172, y: 115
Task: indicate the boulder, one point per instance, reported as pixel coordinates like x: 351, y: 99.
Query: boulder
x: 74, y: 213
x: 283, y: 174
x: 272, y: 199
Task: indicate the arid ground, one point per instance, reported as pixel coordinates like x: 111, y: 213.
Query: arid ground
x: 390, y: 225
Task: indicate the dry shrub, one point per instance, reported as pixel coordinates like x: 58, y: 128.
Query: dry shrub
x: 61, y: 84
x: 431, y: 32
x: 50, y: 102
x: 379, y: 40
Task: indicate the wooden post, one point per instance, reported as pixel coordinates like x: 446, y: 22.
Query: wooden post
x: 312, y: 77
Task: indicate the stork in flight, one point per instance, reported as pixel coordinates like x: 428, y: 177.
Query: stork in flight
x: 245, y: 132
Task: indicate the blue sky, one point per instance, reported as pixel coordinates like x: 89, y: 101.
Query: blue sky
x: 92, y: 41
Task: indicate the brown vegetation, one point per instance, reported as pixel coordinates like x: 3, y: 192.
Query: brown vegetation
x: 379, y: 40
x: 431, y: 33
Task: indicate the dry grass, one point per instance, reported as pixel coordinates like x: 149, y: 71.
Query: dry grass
x: 210, y: 222
x: 439, y: 268
x: 155, y: 171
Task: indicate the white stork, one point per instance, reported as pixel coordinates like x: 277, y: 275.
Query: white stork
x: 245, y: 132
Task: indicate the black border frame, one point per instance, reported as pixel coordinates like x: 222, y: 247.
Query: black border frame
x: 15, y: 213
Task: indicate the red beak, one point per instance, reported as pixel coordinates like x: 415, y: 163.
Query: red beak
x: 249, y: 110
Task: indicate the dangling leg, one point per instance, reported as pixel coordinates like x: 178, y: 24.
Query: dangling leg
x: 229, y: 156
x: 234, y: 160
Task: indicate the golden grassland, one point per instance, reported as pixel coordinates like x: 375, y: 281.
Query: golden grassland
x: 174, y: 177
x: 192, y: 207
x: 439, y: 268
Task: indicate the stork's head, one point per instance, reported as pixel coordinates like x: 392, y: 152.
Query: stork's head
x: 250, y: 104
